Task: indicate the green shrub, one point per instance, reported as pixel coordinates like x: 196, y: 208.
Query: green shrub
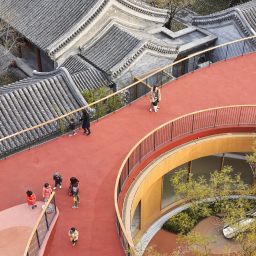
x: 181, y: 223
x: 106, y: 106
x: 62, y: 125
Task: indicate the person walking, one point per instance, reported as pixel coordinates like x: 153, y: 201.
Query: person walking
x: 73, y: 181
x: 47, y: 190
x: 86, y: 122
x: 76, y: 198
x: 73, y: 235
x: 57, y: 180
x: 31, y: 199
x: 155, y: 97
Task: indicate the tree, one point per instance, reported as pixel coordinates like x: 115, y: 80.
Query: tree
x: 251, y: 159
x: 221, y: 185
x: 173, y: 8
x: 247, y: 240
x: 10, y: 38
x: 236, y: 2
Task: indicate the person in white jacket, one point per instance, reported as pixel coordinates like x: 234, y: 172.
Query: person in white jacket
x: 155, y: 97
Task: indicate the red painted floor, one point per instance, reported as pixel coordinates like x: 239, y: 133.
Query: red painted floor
x: 96, y: 159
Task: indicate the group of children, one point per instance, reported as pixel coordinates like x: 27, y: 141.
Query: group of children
x: 47, y: 190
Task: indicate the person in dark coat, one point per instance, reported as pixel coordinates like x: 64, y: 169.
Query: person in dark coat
x: 86, y: 122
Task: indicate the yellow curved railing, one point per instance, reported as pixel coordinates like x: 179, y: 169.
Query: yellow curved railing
x: 133, y: 85
x: 41, y: 228
x: 221, y: 117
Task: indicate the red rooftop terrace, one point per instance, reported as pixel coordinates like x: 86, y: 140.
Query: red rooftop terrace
x: 96, y: 159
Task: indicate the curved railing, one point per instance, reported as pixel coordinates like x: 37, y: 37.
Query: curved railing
x: 214, y: 118
x: 140, y: 87
x: 158, y: 77
x: 41, y: 228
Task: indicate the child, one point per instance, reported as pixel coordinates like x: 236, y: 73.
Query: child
x: 73, y: 181
x: 75, y: 201
x: 73, y: 235
x: 72, y: 127
x: 74, y: 192
x: 57, y: 179
x: 31, y: 199
x: 47, y: 190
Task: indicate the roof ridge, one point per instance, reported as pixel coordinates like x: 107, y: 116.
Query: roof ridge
x: 142, y: 8
x: 144, y: 45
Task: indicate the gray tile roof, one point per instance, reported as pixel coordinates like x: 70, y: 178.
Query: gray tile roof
x: 243, y: 15
x: 84, y: 75
x: 111, y: 48
x: 44, y: 21
x: 231, y: 24
x: 249, y: 12
x: 76, y: 64
x: 33, y: 101
x: 90, y: 79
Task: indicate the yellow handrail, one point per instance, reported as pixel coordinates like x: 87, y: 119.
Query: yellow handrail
x: 131, y: 244
x: 37, y: 223
x: 125, y: 88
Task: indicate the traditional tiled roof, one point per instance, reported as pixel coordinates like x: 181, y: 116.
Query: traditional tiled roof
x: 42, y: 21
x: 90, y: 79
x: 243, y: 15
x: 32, y: 101
x: 111, y: 48
x: 84, y: 75
x: 76, y: 63
x: 231, y: 24
x: 57, y: 22
x: 117, y: 48
x: 249, y: 12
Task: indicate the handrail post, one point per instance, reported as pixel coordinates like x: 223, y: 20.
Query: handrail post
x: 140, y: 152
x: 128, y: 166
x: 193, y: 120
x: 243, y: 48
x: 226, y: 53
x: 46, y: 220
x: 193, y: 66
x: 54, y: 202
x: 215, y: 119
x: 238, y: 123
x: 37, y: 238
x: 154, y: 139
x: 171, y: 131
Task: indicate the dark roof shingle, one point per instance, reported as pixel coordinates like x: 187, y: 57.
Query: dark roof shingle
x: 44, y: 21
x: 33, y: 101
x: 111, y: 48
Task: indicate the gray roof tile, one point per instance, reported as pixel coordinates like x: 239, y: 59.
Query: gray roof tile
x: 44, y: 21
x: 85, y: 76
x: 111, y: 48
x: 33, y: 101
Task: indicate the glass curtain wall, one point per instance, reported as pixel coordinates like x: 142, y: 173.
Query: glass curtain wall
x: 203, y: 167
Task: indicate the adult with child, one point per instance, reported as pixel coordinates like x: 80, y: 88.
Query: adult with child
x: 155, y: 98
x: 86, y: 122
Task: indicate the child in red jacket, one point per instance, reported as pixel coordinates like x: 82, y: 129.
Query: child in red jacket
x: 31, y: 199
